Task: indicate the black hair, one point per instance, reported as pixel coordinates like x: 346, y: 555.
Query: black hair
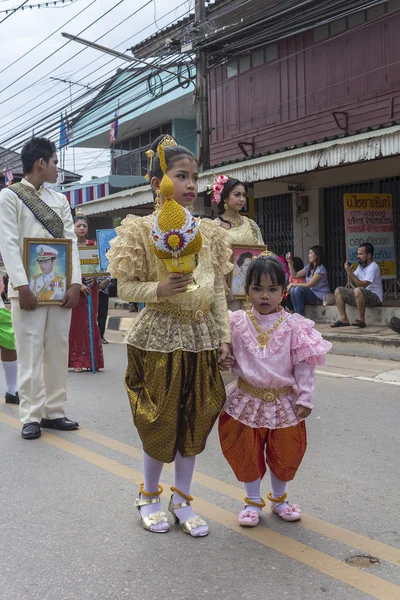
x: 243, y: 257
x: 298, y: 264
x: 228, y: 187
x: 35, y: 149
x: 81, y: 218
x: 266, y: 265
x: 369, y: 249
x: 319, y: 252
x: 172, y: 155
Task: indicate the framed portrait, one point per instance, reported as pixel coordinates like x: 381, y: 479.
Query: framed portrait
x: 104, y: 236
x: 241, y: 258
x: 48, y: 266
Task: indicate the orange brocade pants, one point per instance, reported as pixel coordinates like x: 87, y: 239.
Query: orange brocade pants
x: 248, y: 450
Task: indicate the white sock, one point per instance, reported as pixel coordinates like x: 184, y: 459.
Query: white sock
x: 152, y: 472
x: 278, y: 487
x: 253, y: 493
x: 184, y: 467
x: 11, y: 375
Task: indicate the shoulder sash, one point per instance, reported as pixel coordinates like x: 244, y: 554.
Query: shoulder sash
x: 46, y: 215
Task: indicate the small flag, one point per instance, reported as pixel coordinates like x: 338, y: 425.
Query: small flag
x: 114, y: 128
x: 68, y: 128
x: 63, y: 133
x: 8, y: 175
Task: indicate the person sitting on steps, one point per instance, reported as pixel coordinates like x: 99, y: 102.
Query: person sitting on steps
x: 368, y: 289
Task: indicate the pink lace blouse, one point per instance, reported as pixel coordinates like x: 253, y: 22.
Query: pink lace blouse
x: 294, y: 350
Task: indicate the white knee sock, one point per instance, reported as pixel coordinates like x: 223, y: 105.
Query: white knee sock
x: 11, y: 374
x: 152, y: 472
x: 278, y: 487
x: 253, y: 493
x: 184, y: 467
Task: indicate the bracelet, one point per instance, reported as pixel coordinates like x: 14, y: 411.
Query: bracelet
x: 228, y: 292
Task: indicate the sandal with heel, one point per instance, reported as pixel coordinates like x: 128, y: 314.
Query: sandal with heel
x: 190, y: 525
x: 287, y: 512
x: 249, y: 517
x: 151, y: 522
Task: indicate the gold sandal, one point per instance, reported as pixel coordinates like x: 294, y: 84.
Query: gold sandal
x: 190, y: 524
x: 153, y: 518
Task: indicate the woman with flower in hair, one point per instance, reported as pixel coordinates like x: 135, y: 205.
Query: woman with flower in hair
x: 230, y: 195
x: 177, y: 343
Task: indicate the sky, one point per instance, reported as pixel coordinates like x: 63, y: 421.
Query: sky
x: 21, y: 110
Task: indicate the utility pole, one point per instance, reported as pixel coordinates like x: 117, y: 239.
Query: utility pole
x: 202, y: 124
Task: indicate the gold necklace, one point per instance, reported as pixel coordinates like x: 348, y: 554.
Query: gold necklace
x: 263, y: 337
x: 235, y: 223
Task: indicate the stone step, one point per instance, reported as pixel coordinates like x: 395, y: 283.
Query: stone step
x: 373, y: 342
x: 379, y: 315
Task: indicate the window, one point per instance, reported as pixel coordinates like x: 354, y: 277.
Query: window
x: 232, y: 69
x: 155, y: 133
x: 375, y: 12
x: 126, y: 145
x: 321, y: 33
x: 244, y: 64
x: 145, y: 138
x: 271, y: 52
x: 338, y: 26
x: 166, y: 129
x: 257, y: 58
x: 135, y: 142
x: 357, y: 19
x: 393, y: 5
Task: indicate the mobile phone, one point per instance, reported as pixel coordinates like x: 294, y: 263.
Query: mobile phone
x: 349, y: 264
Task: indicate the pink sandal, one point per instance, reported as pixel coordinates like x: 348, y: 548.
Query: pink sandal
x: 249, y: 517
x: 287, y: 512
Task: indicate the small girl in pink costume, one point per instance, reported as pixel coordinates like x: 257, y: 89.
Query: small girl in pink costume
x: 275, y: 355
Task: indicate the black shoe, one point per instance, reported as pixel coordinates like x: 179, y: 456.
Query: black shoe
x: 104, y: 341
x: 63, y: 424
x: 12, y: 398
x: 394, y: 324
x: 31, y: 431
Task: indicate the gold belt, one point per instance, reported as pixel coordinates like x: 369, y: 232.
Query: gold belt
x: 268, y: 394
x: 187, y: 316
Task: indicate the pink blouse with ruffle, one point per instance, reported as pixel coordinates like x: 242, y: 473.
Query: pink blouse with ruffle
x: 294, y: 350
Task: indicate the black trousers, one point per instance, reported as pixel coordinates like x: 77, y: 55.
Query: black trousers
x: 102, y: 313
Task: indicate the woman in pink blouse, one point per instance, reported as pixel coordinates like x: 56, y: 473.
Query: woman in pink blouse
x: 275, y: 355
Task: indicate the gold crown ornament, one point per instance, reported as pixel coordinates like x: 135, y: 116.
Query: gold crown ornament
x: 175, y: 235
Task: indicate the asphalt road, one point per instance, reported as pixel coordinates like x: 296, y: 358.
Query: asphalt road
x: 69, y: 530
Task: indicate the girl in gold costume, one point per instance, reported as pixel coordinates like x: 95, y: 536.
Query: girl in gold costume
x: 177, y: 342
x: 231, y: 195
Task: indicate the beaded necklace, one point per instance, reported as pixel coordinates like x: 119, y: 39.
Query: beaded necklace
x: 235, y: 223
x: 263, y: 337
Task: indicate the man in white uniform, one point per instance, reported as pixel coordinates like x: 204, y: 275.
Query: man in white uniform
x: 368, y: 290
x: 48, y: 285
x: 28, y: 209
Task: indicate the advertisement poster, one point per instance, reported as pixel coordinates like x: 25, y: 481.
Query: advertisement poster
x: 369, y: 218
x: 104, y: 236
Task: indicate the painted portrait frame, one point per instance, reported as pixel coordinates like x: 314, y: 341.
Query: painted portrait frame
x: 237, y: 251
x: 63, y: 268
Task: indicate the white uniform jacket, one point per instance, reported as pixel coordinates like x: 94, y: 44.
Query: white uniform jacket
x: 18, y: 222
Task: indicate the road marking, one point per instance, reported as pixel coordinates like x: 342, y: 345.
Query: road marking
x: 330, y: 566
x: 357, y: 377
x: 319, y: 526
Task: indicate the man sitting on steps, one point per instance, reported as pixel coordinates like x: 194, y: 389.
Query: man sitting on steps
x: 368, y: 289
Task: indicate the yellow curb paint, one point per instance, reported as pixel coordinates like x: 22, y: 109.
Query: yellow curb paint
x: 361, y: 580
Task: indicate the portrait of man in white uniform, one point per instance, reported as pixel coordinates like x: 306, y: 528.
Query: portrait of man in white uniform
x: 49, y: 284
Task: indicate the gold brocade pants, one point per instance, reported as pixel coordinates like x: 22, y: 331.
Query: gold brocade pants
x: 175, y: 399
x: 249, y: 449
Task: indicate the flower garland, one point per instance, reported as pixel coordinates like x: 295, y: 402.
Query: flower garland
x: 218, y: 187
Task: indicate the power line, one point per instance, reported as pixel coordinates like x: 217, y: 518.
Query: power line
x: 47, y: 38
x: 61, y: 105
x: 15, y: 10
x: 55, y: 52
x: 42, y: 5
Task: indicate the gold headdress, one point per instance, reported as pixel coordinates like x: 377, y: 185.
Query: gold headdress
x: 264, y: 254
x: 166, y: 142
x: 175, y: 232
x: 79, y: 213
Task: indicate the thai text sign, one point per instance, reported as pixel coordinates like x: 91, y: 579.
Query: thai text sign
x: 369, y: 218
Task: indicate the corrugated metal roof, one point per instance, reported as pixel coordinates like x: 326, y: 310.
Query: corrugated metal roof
x: 342, y: 150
